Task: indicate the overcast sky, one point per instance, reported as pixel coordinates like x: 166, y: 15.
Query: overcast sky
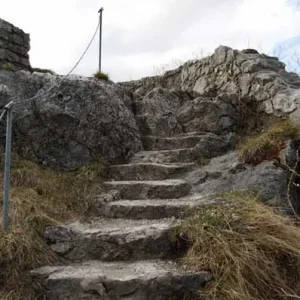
x: 140, y: 38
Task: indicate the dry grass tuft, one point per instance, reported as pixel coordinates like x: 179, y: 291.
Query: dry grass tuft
x: 268, y: 144
x: 252, y: 252
x: 101, y: 75
x: 39, y: 197
x: 40, y: 70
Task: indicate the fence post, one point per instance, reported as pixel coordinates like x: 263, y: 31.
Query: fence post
x: 100, y: 38
x: 7, y: 169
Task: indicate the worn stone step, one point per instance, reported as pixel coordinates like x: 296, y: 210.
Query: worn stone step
x: 170, y: 143
x: 191, y: 133
x: 112, y: 239
x: 164, y: 156
x: 158, y: 189
x: 152, y: 209
x: 142, y: 280
x: 148, y: 171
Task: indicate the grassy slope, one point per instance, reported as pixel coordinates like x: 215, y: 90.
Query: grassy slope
x: 253, y: 252
x: 39, y: 197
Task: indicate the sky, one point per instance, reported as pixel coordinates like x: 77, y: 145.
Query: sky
x: 144, y: 38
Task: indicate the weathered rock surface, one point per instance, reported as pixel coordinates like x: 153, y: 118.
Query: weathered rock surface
x: 156, y: 189
x: 148, y: 171
x: 169, y: 143
x: 79, y: 120
x: 111, y: 239
x: 93, y: 280
x: 226, y: 173
x: 211, y: 145
x: 166, y: 113
x: 244, y: 76
x: 14, y: 47
x: 206, y: 145
x: 164, y: 156
x: 208, y: 115
x: 154, y: 209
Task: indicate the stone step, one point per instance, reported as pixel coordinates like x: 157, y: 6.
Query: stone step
x: 148, y: 171
x: 158, y: 189
x: 170, y: 143
x: 152, y: 209
x: 112, y: 239
x: 164, y: 156
x: 191, y: 133
x: 142, y: 280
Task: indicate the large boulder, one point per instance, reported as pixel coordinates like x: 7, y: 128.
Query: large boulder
x: 79, y: 120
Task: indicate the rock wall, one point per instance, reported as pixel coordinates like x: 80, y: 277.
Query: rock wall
x: 244, y: 76
x: 14, y: 47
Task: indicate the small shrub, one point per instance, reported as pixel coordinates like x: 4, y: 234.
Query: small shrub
x: 101, y: 75
x: 39, y: 70
x: 268, y: 144
x: 7, y: 67
x: 252, y: 252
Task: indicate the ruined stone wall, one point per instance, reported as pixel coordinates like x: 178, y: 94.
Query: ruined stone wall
x: 14, y: 47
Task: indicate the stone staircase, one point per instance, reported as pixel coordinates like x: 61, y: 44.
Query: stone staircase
x: 127, y: 253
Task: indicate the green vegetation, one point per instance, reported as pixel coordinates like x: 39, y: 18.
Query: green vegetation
x: 268, y: 144
x: 203, y: 161
x: 39, y: 70
x: 7, y: 67
x: 101, y: 75
x: 252, y: 252
x: 39, y: 197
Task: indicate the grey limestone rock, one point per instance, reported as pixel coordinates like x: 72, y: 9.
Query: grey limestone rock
x: 79, y: 120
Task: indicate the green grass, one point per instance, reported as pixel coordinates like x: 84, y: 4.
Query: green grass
x: 252, y: 252
x: 7, y: 67
x: 203, y: 161
x: 39, y: 197
x: 268, y: 144
x: 101, y: 75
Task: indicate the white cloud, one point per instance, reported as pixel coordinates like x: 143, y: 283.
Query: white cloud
x: 140, y: 35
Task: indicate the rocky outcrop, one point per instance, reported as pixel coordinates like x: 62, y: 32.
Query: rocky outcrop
x: 227, y: 173
x: 244, y: 76
x: 14, y: 47
x: 165, y: 112
x: 79, y: 120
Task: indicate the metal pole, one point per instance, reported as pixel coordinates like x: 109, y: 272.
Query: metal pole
x: 100, y: 38
x: 7, y: 169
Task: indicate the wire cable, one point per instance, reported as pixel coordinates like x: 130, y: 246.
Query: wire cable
x: 85, y: 51
x: 14, y: 102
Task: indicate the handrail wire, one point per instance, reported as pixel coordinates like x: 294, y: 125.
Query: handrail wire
x: 7, y: 110
x: 85, y: 51
x: 52, y: 87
